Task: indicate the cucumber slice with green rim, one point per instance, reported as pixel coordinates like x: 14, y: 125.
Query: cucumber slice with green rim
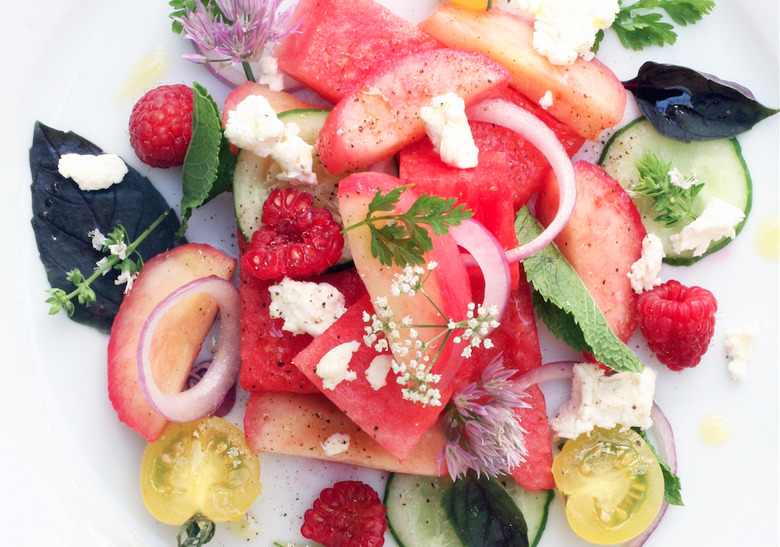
x: 718, y: 164
x: 255, y: 178
x: 417, y: 519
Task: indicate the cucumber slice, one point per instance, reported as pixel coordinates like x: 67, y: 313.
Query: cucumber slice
x: 255, y: 178
x: 718, y: 164
x: 417, y: 519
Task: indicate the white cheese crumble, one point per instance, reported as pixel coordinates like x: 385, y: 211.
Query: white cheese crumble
x: 678, y: 179
x: 644, y: 272
x: 335, y: 444
x: 547, y: 100
x: 306, y: 307
x: 377, y: 371
x: 448, y: 128
x: 333, y: 368
x: 566, y: 29
x: 739, y: 348
x: 271, y: 75
x: 92, y: 172
x: 597, y: 400
x: 254, y: 126
x: 718, y: 220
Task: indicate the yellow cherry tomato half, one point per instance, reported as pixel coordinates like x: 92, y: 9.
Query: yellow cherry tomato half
x: 199, y: 468
x: 611, y: 485
x: 480, y: 5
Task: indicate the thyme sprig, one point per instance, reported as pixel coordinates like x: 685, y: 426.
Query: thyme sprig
x: 402, y: 238
x: 120, y: 257
x: 673, y: 199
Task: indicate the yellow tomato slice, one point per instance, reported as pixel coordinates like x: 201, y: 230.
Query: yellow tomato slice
x: 611, y: 484
x: 471, y: 4
x: 203, y: 467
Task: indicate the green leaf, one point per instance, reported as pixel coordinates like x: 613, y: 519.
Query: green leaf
x: 483, y: 513
x: 641, y: 24
x: 559, y: 285
x: 672, y: 484
x: 402, y: 238
x: 672, y: 202
x: 208, y: 163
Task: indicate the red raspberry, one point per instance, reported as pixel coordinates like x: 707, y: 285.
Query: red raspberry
x: 161, y: 125
x: 347, y: 515
x: 297, y: 240
x: 677, y: 322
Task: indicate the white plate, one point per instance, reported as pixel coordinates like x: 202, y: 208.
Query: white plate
x: 69, y: 468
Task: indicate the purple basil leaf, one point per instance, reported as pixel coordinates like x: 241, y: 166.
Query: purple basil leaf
x: 686, y: 105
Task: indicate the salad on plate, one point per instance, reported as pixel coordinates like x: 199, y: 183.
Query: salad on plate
x: 433, y: 242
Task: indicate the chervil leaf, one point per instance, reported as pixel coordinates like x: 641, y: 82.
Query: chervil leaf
x: 404, y: 238
x: 641, y: 23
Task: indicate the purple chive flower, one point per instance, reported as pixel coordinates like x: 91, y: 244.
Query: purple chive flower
x: 483, y: 432
x: 240, y: 33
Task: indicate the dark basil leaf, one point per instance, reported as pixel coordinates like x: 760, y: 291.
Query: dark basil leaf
x: 483, y: 513
x: 686, y: 105
x: 63, y: 215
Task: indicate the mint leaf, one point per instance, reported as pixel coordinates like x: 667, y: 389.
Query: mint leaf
x: 559, y: 285
x: 483, y: 513
x: 208, y: 164
x: 672, y: 484
x: 560, y: 323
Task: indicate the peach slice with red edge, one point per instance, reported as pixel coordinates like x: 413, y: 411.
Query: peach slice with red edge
x: 177, y: 339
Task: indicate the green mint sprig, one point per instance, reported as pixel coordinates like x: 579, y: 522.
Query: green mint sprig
x: 641, y: 24
x: 673, y: 203
x: 402, y: 238
x: 120, y: 257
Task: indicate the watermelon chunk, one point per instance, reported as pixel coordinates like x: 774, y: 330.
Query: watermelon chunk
x: 392, y: 421
x: 267, y: 351
x: 518, y: 341
x: 338, y: 43
x: 300, y: 424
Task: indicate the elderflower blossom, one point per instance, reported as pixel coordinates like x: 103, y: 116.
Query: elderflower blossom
x: 483, y: 432
x: 414, y: 356
x: 236, y: 29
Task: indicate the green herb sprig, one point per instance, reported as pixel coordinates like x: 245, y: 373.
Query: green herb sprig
x: 196, y: 532
x: 672, y: 202
x: 642, y: 23
x: 120, y: 258
x: 402, y: 238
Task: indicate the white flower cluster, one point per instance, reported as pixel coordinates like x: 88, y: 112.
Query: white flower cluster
x: 413, y: 362
x: 116, y: 246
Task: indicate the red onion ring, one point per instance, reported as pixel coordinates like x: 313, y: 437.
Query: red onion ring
x: 528, y: 126
x: 661, y: 428
x: 207, y: 395
x: 491, y: 259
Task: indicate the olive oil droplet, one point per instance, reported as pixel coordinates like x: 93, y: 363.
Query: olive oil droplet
x: 767, y: 239
x: 144, y: 75
x: 715, y: 430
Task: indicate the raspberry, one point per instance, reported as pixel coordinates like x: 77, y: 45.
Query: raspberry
x: 677, y: 322
x: 347, y: 515
x: 297, y: 240
x: 161, y: 125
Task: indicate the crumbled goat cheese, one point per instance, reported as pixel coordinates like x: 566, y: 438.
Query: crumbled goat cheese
x: 254, y: 126
x: 598, y: 400
x: 718, y: 220
x: 547, y: 100
x: 678, y: 179
x: 739, y: 348
x: 271, y: 75
x: 566, y: 29
x: 92, y: 172
x: 333, y: 368
x: 306, y: 307
x: 448, y: 128
x: 335, y: 444
x: 644, y: 272
x: 377, y: 371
